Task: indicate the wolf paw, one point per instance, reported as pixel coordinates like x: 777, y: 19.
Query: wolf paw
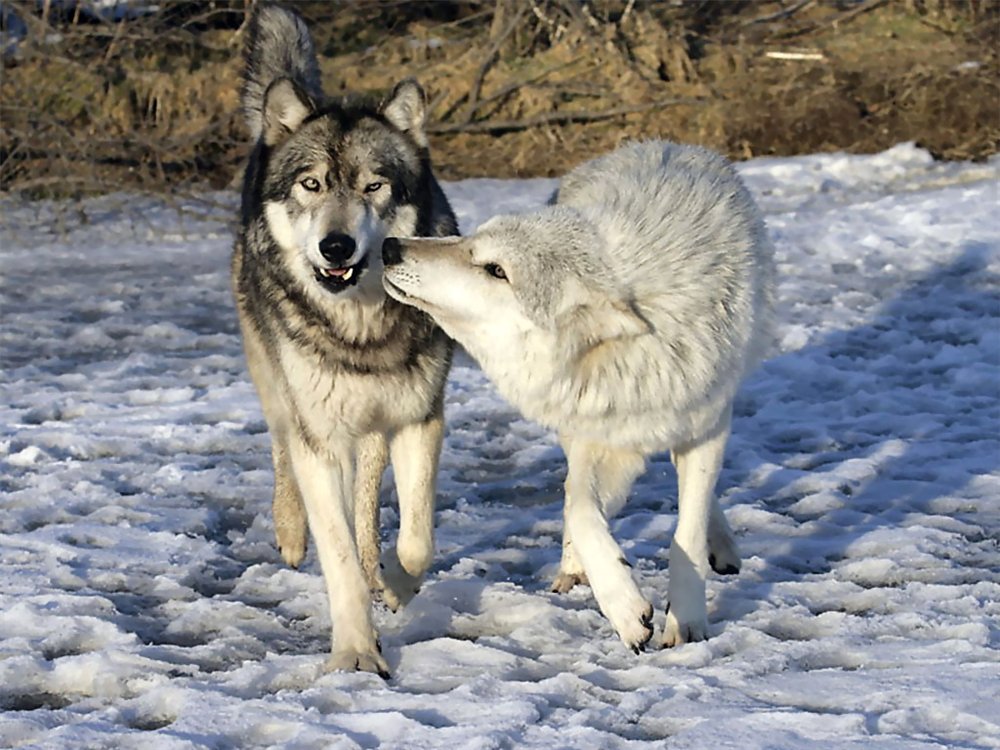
x: 358, y: 660
x: 291, y: 544
x: 632, y: 619
x: 724, y: 565
x: 677, y: 633
x: 564, y: 582
x: 723, y: 554
x: 399, y: 587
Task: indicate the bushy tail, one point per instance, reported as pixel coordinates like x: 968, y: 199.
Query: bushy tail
x: 278, y: 46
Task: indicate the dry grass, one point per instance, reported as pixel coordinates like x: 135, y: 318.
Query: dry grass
x: 517, y: 87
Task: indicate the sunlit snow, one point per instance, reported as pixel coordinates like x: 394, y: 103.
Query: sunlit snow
x: 143, y: 603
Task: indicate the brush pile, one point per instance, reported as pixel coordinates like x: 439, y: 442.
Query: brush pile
x: 145, y: 97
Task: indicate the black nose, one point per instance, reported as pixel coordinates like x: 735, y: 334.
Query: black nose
x: 392, y: 251
x: 337, y: 248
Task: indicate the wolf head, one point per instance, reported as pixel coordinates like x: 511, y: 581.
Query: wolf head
x: 534, y: 276
x: 328, y: 180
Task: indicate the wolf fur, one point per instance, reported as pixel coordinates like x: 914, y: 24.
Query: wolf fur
x: 624, y: 316
x: 347, y: 377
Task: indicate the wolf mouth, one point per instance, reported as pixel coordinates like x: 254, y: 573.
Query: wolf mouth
x: 339, y: 279
x: 397, y: 292
x: 406, y: 298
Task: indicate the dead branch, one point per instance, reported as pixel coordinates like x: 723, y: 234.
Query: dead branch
x: 838, y: 19
x: 510, y: 88
x: 552, y: 118
x: 780, y: 15
x: 491, y: 54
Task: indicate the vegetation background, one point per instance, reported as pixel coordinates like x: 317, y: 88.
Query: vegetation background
x: 102, y: 96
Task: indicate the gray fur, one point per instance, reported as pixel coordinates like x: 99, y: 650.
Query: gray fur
x: 278, y: 46
x: 624, y: 316
x: 347, y: 376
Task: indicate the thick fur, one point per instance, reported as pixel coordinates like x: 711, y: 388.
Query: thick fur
x: 347, y: 377
x: 625, y: 317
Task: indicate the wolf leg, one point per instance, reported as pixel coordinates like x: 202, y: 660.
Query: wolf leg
x: 698, y: 468
x: 290, y: 528
x: 723, y: 552
x: 415, y: 451
x: 372, y: 457
x: 597, y: 473
x: 571, y: 570
x: 287, y: 512
x: 616, y: 471
x: 326, y: 483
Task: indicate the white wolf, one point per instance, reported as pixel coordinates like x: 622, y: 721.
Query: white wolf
x: 625, y: 317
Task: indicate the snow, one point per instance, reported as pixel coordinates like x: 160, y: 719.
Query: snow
x: 143, y: 603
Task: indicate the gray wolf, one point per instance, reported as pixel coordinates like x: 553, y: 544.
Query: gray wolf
x: 623, y: 316
x: 347, y: 377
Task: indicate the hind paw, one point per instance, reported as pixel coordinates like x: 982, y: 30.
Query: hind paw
x: 724, y: 566
x: 564, y: 582
x: 678, y: 632
x: 399, y: 587
x: 723, y: 552
x: 291, y: 545
x: 358, y: 660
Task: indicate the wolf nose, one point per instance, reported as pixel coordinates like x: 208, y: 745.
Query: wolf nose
x: 337, y: 248
x: 392, y: 251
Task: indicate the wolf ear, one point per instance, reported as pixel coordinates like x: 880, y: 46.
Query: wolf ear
x: 285, y: 108
x: 406, y: 109
x: 597, y: 317
x: 612, y: 319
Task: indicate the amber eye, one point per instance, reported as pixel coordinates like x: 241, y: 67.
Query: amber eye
x: 373, y: 187
x: 494, y: 270
x: 311, y: 184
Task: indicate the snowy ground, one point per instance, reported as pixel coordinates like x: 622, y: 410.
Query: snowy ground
x: 143, y: 604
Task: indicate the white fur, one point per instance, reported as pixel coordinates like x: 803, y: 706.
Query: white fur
x: 631, y: 312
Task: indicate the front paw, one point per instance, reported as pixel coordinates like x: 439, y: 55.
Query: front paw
x: 632, y: 618
x: 358, y: 660
x: 680, y: 630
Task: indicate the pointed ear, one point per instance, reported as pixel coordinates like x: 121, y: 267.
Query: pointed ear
x: 406, y: 109
x: 285, y: 108
x: 597, y: 317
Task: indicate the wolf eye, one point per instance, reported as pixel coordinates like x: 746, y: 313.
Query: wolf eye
x: 311, y: 184
x: 373, y: 187
x: 494, y: 270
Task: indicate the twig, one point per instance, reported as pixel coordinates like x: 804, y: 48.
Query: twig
x: 783, y: 13
x: 625, y: 13
x: 512, y: 87
x: 556, y: 30
x: 552, y: 118
x: 842, y: 18
x: 491, y: 53
x: 795, y: 55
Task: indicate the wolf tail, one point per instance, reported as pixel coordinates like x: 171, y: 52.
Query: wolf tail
x: 278, y: 46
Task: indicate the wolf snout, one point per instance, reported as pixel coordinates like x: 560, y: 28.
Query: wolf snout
x: 337, y: 248
x: 392, y: 251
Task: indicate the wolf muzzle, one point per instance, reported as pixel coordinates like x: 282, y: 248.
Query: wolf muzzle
x: 392, y: 252
x: 337, y: 248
